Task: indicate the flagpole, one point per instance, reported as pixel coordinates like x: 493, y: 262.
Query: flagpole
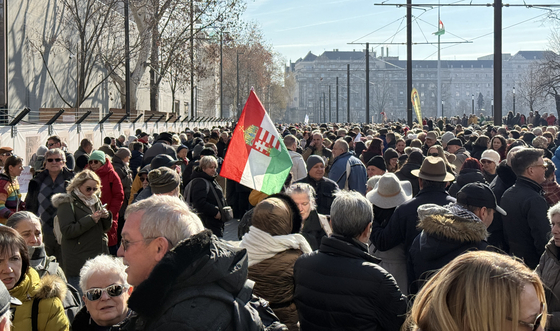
x: 438, y: 104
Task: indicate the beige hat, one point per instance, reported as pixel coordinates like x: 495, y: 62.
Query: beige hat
x: 431, y: 135
x: 433, y: 168
x: 491, y: 155
x: 390, y: 192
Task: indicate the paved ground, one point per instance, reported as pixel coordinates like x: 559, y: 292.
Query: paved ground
x: 230, y: 231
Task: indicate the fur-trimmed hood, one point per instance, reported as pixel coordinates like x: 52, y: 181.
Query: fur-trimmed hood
x: 506, y: 174
x: 32, y: 286
x: 196, y: 263
x: 453, y: 228
x: 60, y: 198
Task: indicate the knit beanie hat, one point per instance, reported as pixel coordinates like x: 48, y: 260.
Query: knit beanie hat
x: 455, y: 141
x: 446, y: 137
x: 390, y: 154
x: 313, y: 160
x: 377, y: 161
x: 123, y: 152
x: 163, y: 180
x: 97, y: 155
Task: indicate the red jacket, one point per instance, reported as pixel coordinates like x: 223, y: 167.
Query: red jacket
x: 550, y: 120
x: 112, y: 194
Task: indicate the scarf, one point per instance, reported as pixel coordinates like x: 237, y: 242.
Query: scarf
x: 37, y: 257
x: 90, y: 202
x: 261, y: 245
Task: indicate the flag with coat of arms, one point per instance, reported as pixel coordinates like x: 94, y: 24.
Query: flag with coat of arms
x: 256, y: 156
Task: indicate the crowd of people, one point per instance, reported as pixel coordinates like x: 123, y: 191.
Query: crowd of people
x: 444, y: 225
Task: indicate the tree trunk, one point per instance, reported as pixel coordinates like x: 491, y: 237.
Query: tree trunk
x: 557, y: 100
x: 154, y: 71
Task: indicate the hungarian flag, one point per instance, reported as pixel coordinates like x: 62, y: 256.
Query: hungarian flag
x: 256, y: 156
x: 441, y: 29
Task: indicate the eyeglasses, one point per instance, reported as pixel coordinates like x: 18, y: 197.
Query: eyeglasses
x: 89, y: 189
x: 93, y: 162
x: 535, y: 325
x: 7, y: 154
x: 434, y: 154
x: 126, y: 244
x: 544, y: 165
x: 144, y: 178
x: 54, y: 160
x: 95, y: 294
x: 51, y: 144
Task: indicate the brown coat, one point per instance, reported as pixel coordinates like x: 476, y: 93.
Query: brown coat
x: 274, y: 281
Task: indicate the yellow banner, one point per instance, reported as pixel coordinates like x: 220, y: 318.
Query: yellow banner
x: 416, y: 104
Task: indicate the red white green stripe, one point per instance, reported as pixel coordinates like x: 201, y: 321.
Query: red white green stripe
x: 256, y: 156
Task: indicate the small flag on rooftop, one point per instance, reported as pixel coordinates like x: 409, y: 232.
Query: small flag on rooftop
x: 256, y: 156
x: 441, y: 29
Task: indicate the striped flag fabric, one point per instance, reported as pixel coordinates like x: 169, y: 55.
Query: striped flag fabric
x: 256, y: 156
x: 441, y: 29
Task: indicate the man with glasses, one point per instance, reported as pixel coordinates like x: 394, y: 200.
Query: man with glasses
x: 55, y: 142
x: 526, y: 226
x: 46, y: 183
x: 5, y: 153
x: 178, y: 269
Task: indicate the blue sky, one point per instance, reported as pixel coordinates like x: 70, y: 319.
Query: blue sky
x: 296, y: 27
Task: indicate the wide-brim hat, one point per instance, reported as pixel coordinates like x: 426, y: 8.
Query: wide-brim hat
x: 390, y: 192
x: 433, y: 168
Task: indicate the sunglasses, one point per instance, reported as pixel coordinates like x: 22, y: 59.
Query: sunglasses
x: 89, y: 189
x: 95, y: 294
x: 54, y: 160
x: 93, y: 162
x: 535, y: 325
x: 144, y: 178
x: 51, y: 144
x: 434, y: 154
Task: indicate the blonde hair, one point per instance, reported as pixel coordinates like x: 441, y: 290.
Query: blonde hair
x: 477, y: 291
x: 82, y: 177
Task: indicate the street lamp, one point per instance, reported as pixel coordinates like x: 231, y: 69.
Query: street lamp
x: 472, y: 104
x: 514, y: 100
x: 442, y: 103
x: 492, y: 108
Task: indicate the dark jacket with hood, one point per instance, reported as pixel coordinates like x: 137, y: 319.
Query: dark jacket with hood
x: 526, y: 225
x: 204, y: 201
x: 465, y: 177
x: 135, y: 162
x: 443, y: 238
x: 404, y: 173
x: 177, y: 295
x: 402, y: 225
x: 84, y: 322
x: 477, y: 151
x: 341, y: 287
x: 81, y: 158
x: 505, y: 178
x: 159, y: 147
x: 549, y: 272
x: 324, y: 192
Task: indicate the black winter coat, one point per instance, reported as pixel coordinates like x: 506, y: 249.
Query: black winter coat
x: 549, y: 272
x: 402, y: 225
x: 526, y: 226
x: 341, y: 287
x: 176, y: 294
x: 204, y: 202
x: 404, y: 173
x: 83, y: 322
x: 442, y: 239
x: 324, y: 193
x: 477, y: 151
x: 505, y: 179
x: 312, y: 230
x: 465, y: 177
x: 135, y: 162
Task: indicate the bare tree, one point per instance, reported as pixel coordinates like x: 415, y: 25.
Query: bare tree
x: 530, y: 90
x: 549, y: 70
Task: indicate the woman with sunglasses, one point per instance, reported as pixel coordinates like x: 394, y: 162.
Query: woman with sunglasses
x: 24, y: 283
x: 112, y: 192
x: 10, y: 196
x: 480, y: 291
x: 106, y: 292
x: 84, y: 223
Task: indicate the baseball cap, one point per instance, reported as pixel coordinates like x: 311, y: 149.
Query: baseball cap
x: 478, y: 195
x: 163, y: 160
x: 491, y: 155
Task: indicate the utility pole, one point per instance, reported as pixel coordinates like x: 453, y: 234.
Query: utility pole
x: 330, y: 104
x: 237, y: 100
x: 337, y: 120
x: 221, y: 74
x: 127, y: 58
x: 367, y: 83
x: 324, y: 108
x: 192, y: 57
x: 409, y: 63
x: 348, y: 92
x: 498, y: 62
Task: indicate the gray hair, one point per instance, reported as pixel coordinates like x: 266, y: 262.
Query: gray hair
x: 342, y: 144
x: 207, y: 160
x: 14, y: 220
x: 351, y: 213
x: 56, y: 151
x: 166, y: 216
x: 553, y: 211
x: 102, y: 263
x: 302, y: 188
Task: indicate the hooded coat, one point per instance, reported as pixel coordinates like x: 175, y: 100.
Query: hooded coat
x: 175, y: 294
x: 443, y: 238
x: 49, y: 290
x: 204, y: 201
x: 82, y: 238
x: 112, y: 194
x: 466, y: 176
x: 505, y: 178
x: 273, y: 277
x: 404, y: 173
